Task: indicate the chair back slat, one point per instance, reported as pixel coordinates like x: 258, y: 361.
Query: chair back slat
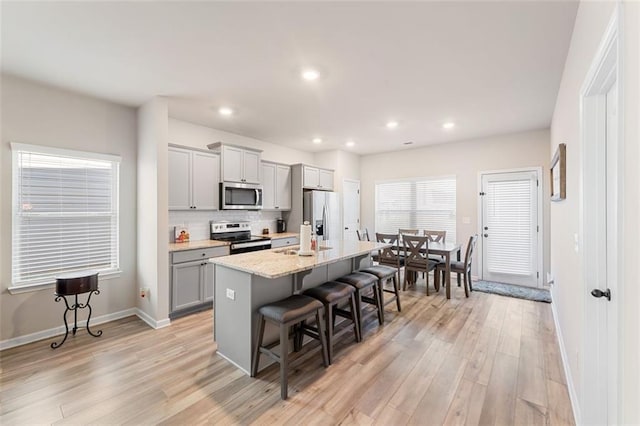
x: 363, y: 234
x: 387, y: 256
x: 436, y: 236
x: 468, y: 258
x: 408, y: 231
x: 415, y: 251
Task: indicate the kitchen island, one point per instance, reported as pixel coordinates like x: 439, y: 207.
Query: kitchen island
x: 245, y: 282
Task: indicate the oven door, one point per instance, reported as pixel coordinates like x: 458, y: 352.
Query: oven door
x: 240, y: 196
x: 250, y: 246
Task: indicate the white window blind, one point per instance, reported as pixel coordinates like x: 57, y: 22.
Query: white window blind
x: 65, y: 213
x: 512, y: 224
x: 423, y: 203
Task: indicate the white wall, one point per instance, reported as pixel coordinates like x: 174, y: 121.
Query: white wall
x: 42, y: 115
x: 197, y: 136
x: 464, y: 160
x: 153, y: 210
x: 591, y: 22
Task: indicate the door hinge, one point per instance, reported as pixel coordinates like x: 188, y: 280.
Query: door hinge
x: 537, y: 228
x: 358, y: 191
x: 482, y: 193
x: 537, y: 274
x: 537, y: 182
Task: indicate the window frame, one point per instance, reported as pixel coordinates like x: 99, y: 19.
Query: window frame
x: 413, y: 212
x: 16, y: 191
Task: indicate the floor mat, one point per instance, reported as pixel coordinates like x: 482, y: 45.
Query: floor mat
x: 510, y: 290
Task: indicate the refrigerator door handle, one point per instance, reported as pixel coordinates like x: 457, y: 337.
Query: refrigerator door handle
x: 325, y: 228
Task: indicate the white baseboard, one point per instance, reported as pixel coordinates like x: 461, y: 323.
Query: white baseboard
x: 575, y: 406
x: 56, y: 331
x: 150, y: 321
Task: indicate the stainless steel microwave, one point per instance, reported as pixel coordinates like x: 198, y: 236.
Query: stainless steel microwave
x: 240, y: 196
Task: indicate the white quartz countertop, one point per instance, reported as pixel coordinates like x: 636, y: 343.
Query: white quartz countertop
x: 191, y: 245
x: 275, y: 263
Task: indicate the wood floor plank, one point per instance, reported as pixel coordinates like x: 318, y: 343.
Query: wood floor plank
x: 438, y: 361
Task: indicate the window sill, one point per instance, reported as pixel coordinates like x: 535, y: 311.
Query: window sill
x: 28, y: 288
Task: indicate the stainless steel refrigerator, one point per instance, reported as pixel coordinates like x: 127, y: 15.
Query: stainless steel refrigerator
x: 322, y: 210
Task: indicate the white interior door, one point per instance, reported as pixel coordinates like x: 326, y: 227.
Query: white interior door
x: 510, y: 248
x: 600, y: 253
x: 351, y: 210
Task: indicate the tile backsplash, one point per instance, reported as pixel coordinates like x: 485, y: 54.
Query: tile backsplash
x: 198, y: 221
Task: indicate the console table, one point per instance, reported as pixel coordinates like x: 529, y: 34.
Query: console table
x: 73, y: 285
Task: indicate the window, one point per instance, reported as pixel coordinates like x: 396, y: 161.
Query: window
x: 65, y: 213
x: 421, y: 203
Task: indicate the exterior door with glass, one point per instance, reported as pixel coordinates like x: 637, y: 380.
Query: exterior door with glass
x: 510, y: 228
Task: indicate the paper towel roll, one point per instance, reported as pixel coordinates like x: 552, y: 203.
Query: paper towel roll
x: 305, y: 238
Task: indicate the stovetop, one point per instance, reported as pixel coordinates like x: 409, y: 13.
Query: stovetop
x: 233, y: 232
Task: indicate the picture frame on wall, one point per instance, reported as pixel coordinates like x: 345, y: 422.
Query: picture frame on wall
x: 559, y: 174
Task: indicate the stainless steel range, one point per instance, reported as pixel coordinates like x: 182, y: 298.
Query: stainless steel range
x: 239, y: 235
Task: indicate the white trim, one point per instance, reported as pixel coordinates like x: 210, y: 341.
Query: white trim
x: 540, y: 255
x: 573, y: 396
x: 70, y: 153
x: 152, y: 322
x: 606, y: 67
x: 416, y: 179
x: 56, y: 331
x: 28, y: 288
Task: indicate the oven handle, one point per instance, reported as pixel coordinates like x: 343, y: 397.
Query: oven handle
x: 251, y: 244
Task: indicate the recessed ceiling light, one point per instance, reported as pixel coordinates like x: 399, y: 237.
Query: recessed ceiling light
x: 316, y: 140
x: 350, y: 143
x: 226, y: 111
x: 448, y: 125
x: 392, y: 124
x: 310, y: 74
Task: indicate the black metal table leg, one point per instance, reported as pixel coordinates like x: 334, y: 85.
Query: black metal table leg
x: 75, y: 308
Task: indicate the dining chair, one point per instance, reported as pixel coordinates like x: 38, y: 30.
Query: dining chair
x: 408, y: 231
x: 436, y: 237
x: 388, y: 257
x: 462, y: 268
x: 416, y: 258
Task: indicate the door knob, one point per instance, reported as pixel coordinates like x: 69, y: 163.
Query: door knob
x: 486, y: 235
x: 597, y: 293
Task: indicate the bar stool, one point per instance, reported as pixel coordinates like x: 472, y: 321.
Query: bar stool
x: 285, y: 313
x: 383, y: 274
x: 332, y: 294
x: 362, y: 282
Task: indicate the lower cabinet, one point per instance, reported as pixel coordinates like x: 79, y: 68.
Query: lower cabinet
x: 192, y: 279
x: 284, y: 242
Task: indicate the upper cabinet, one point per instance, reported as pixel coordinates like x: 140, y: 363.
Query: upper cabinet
x: 276, y: 186
x: 239, y: 164
x: 194, y: 178
x: 317, y: 178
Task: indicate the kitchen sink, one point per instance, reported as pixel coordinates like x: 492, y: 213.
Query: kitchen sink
x: 290, y: 251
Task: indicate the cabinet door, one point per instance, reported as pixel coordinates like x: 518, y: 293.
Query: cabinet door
x: 326, y: 179
x: 179, y: 179
x: 205, y: 178
x: 251, y: 167
x: 311, y: 178
x: 207, y: 282
x: 268, y: 186
x: 232, y: 164
x: 186, y: 283
x: 283, y: 187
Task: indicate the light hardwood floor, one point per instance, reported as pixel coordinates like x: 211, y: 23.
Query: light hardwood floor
x: 483, y: 360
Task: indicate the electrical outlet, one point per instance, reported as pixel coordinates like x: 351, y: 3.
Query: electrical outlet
x: 231, y: 294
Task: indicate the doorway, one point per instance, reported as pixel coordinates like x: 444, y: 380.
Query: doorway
x: 351, y: 209
x: 511, y: 232
x: 601, y: 181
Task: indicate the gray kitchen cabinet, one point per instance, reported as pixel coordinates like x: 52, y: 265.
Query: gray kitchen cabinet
x: 317, y: 178
x: 193, y: 179
x: 276, y: 186
x: 192, y: 278
x: 240, y: 165
x: 284, y: 242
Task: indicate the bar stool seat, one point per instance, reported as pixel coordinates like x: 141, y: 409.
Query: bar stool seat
x: 384, y: 273
x: 361, y: 282
x: 293, y: 310
x: 331, y: 294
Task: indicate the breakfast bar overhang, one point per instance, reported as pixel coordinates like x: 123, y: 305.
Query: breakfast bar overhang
x: 245, y: 282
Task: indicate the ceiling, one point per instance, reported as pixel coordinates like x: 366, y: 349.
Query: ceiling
x: 490, y: 67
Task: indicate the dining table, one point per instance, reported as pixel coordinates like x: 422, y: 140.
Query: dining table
x: 446, y: 250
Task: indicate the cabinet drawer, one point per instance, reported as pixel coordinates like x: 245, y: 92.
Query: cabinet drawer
x: 198, y: 254
x: 283, y: 242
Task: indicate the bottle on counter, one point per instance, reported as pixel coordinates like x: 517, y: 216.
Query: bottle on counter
x: 314, y: 243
